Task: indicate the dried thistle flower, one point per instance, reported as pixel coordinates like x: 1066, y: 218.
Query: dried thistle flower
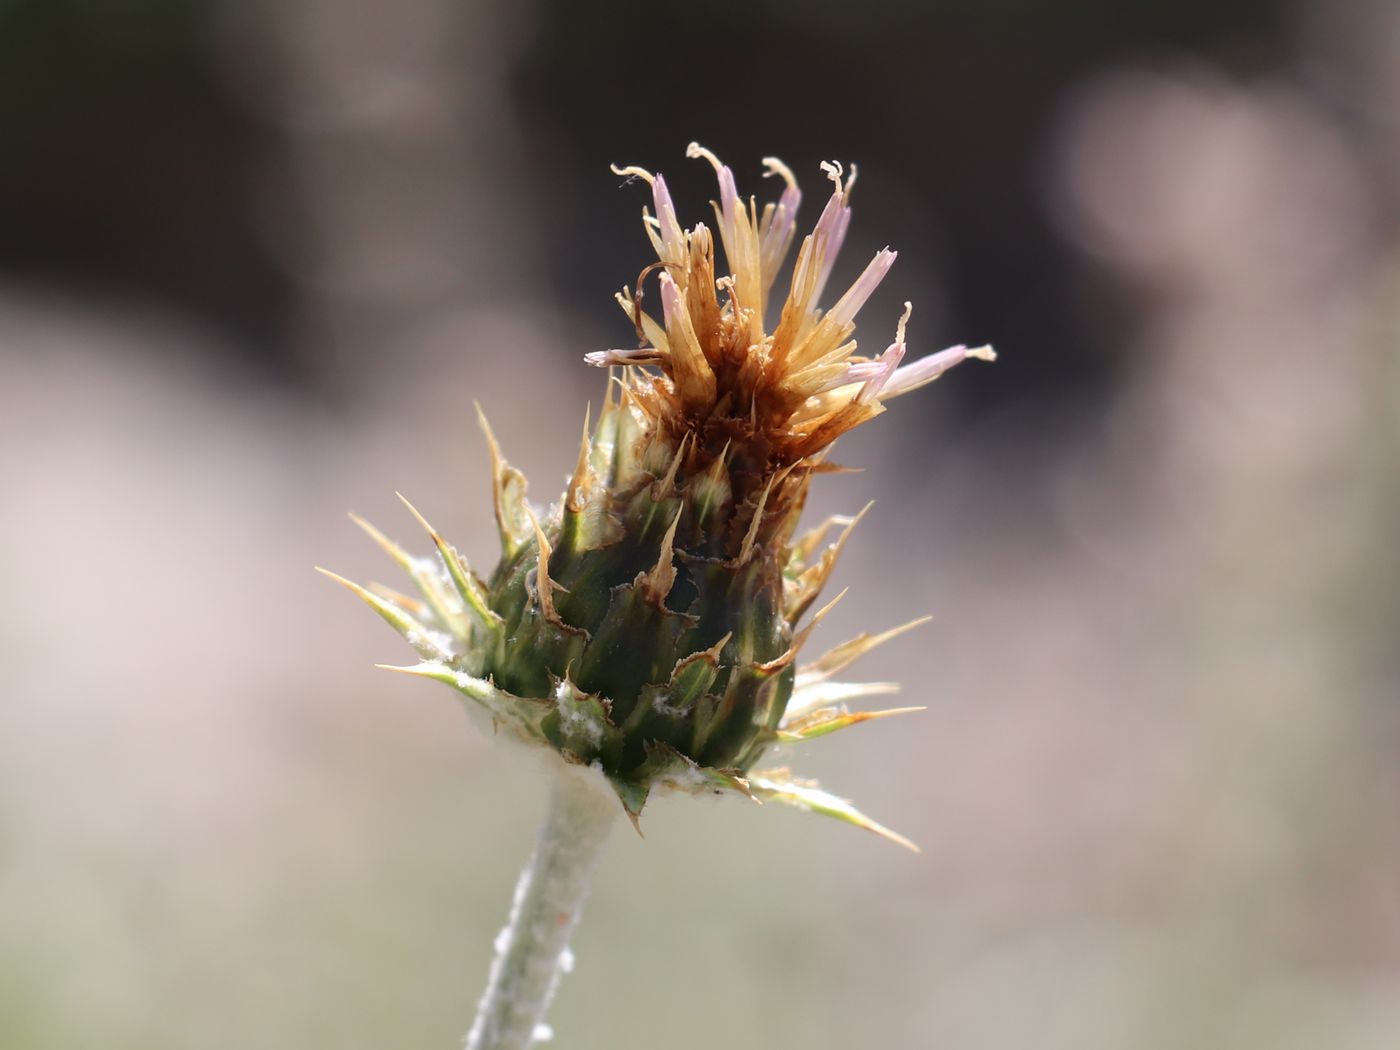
x: 647, y: 626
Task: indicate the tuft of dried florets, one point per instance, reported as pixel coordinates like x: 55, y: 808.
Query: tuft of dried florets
x: 648, y: 624
x: 769, y: 404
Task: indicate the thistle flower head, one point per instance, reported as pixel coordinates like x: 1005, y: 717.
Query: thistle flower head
x: 769, y: 402
x: 650, y: 623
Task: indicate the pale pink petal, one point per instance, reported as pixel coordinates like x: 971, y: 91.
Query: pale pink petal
x: 604, y: 358
x: 830, y: 231
x: 671, y: 302
x: 728, y: 191
x: 879, y: 371
x: 728, y: 195
x: 827, y: 236
x: 671, y: 234
x: 792, y: 195
x: 835, y: 237
x: 873, y: 375
x: 927, y: 369
x: 791, y: 199
x: 846, y: 308
x: 780, y: 221
x: 863, y: 371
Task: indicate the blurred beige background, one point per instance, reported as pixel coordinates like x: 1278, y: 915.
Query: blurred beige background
x: 256, y: 260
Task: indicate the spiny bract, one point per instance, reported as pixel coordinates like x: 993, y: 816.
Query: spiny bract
x: 648, y: 625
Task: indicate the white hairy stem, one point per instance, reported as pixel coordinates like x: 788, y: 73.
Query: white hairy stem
x: 532, y: 952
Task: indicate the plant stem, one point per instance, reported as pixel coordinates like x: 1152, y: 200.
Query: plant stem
x: 531, y: 952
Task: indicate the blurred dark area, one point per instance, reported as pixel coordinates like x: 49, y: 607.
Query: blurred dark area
x: 132, y: 169
x: 139, y: 168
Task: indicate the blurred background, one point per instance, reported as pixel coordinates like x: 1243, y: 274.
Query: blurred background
x: 258, y: 257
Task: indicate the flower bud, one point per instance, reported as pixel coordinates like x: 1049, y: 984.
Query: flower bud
x: 649, y: 625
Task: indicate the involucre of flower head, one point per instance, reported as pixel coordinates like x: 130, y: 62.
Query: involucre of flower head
x: 650, y: 624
